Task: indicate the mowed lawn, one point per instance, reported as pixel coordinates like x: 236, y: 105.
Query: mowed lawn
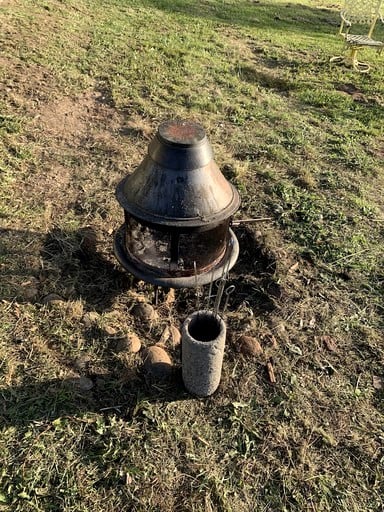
x: 84, y: 86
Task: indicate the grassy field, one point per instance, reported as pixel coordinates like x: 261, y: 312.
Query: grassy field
x: 84, y: 85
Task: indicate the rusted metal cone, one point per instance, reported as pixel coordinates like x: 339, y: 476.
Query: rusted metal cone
x: 202, y: 345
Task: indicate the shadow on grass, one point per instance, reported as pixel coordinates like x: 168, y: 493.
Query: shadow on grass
x: 64, y: 262
x: 279, y: 17
x: 120, y: 389
x: 52, y: 399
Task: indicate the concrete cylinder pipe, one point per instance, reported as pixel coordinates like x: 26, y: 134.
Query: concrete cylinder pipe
x: 202, y: 346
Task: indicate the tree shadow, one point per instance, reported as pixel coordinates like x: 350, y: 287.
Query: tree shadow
x: 266, y: 79
x: 108, y: 393
x: 82, y: 269
x: 289, y: 17
x: 64, y: 262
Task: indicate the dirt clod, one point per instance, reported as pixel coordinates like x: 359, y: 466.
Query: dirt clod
x: 145, y: 312
x: 90, y: 318
x: 52, y: 299
x: 83, y: 383
x: 157, y: 363
x: 249, y: 346
x: 330, y: 343
x: 175, y: 336
x: 130, y: 343
x: 82, y: 362
x: 29, y: 292
x: 110, y: 330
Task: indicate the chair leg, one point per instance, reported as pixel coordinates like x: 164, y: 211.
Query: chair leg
x: 351, y: 59
x: 338, y: 58
x: 361, y: 67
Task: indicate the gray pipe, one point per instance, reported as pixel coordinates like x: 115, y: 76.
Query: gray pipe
x: 202, y: 345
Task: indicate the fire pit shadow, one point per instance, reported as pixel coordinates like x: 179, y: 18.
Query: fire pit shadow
x: 72, y: 259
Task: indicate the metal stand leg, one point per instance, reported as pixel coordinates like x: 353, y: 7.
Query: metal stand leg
x: 156, y: 290
x: 351, y: 59
x: 361, y: 67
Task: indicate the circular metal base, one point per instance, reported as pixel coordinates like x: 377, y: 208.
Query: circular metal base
x: 226, y: 263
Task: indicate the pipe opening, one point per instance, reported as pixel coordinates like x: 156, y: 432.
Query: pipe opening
x: 203, y: 327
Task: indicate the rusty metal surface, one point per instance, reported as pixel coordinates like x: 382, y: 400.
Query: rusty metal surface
x: 181, y: 133
x: 173, y: 253
x: 178, y: 186
x: 155, y: 277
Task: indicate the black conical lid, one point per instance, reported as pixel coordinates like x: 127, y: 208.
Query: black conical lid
x: 178, y: 183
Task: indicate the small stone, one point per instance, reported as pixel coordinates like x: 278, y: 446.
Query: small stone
x: 249, y: 346
x: 175, y: 336
x: 83, y: 383
x: 377, y: 382
x: 110, y: 330
x: 90, y: 318
x: 130, y: 343
x: 164, y: 336
x: 52, y: 299
x: 30, y: 292
x: 329, y: 342
x: 144, y: 312
x: 88, y: 240
x: 157, y: 363
x: 82, y: 362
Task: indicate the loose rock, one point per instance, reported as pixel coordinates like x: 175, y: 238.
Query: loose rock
x: 82, y: 362
x: 52, y: 299
x: 157, y: 363
x: 90, y: 318
x: 110, y: 330
x: 130, y: 343
x: 83, y: 383
x: 249, y: 346
x: 175, y: 336
x: 30, y: 292
x: 164, y: 336
x: 144, y: 312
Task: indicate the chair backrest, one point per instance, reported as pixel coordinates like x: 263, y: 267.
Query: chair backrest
x: 361, y: 11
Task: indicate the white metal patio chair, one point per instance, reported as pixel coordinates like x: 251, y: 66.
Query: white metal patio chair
x: 359, y: 12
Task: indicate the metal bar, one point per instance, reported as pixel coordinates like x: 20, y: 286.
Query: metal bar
x: 228, y: 292
x: 237, y: 222
x: 210, y: 290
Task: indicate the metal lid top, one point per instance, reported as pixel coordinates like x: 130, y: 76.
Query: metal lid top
x: 180, y: 144
x: 181, y: 133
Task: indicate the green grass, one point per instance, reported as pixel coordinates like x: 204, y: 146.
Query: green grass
x: 85, y: 85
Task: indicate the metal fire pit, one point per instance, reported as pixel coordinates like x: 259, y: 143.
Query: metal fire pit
x: 177, y: 207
